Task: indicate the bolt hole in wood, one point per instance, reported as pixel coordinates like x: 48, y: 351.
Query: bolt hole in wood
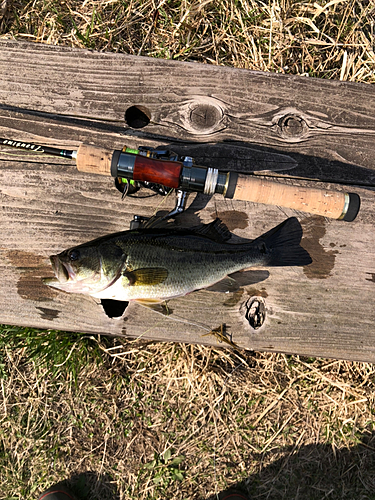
x: 137, y: 116
x: 255, y: 312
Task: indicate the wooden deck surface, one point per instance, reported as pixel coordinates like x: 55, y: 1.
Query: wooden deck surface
x: 311, y: 131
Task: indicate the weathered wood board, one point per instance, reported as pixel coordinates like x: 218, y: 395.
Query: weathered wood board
x: 305, y: 130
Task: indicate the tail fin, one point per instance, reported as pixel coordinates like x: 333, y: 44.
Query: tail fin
x: 283, y: 245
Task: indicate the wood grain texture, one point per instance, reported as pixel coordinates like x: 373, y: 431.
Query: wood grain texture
x: 303, y: 130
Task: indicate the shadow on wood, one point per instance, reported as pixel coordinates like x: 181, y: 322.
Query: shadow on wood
x: 233, y: 155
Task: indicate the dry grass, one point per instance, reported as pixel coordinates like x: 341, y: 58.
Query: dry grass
x: 282, y: 427
x: 279, y: 426
x: 324, y: 39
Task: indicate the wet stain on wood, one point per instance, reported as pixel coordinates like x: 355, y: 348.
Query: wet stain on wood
x: 323, y: 261
x: 25, y: 260
x: 236, y: 297
x: 259, y: 293
x: 233, y: 219
x: 31, y: 287
x: 32, y: 268
x: 48, y: 314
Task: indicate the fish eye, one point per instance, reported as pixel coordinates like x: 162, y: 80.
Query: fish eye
x: 74, y: 255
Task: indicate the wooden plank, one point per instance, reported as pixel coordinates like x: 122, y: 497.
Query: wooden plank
x: 46, y: 205
x: 327, y: 126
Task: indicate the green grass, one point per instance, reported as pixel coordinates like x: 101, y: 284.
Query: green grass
x: 61, y: 354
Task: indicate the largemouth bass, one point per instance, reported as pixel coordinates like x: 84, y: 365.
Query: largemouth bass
x: 150, y: 265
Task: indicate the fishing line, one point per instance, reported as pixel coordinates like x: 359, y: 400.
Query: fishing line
x: 180, y: 319
x: 163, y: 200
x: 35, y: 154
x: 141, y: 335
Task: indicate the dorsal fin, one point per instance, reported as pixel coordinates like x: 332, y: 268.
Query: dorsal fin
x: 157, y: 222
x: 215, y: 231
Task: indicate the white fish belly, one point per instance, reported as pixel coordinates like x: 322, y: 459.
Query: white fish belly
x: 171, y: 288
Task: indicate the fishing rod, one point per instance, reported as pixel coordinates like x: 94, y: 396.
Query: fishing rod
x: 160, y: 170
x: 65, y: 153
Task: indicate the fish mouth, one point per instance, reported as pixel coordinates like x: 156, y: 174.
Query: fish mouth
x: 61, y: 270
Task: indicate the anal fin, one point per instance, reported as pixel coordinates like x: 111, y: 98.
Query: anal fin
x: 156, y: 305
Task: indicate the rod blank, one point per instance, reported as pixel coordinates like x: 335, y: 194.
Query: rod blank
x: 36, y: 148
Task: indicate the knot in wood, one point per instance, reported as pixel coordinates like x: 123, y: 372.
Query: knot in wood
x: 204, y: 117
x: 292, y: 127
x: 255, y: 311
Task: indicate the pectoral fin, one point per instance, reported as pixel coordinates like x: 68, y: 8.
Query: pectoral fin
x: 147, y: 276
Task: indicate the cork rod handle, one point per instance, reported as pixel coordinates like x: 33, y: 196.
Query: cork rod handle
x: 334, y: 204
x: 94, y: 160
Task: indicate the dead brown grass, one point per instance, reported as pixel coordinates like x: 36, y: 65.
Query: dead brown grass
x: 324, y: 39
x: 280, y: 426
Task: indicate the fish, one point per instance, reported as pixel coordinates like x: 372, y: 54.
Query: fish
x: 151, y: 264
